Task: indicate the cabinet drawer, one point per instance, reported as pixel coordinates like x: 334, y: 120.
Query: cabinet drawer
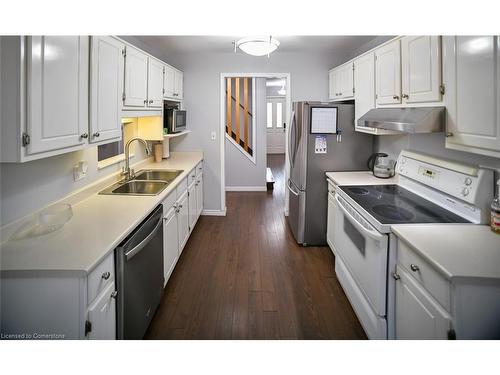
x: 191, y: 177
x: 425, y: 274
x: 182, y: 187
x: 102, y: 276
x: 199, y: 168
x: 168, y: 202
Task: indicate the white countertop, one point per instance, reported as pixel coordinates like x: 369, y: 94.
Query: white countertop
x: 98, y: 225
x: 360, y: 178
x: 455, y: 250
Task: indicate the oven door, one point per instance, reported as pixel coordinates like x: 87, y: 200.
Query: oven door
x: 363, y: 250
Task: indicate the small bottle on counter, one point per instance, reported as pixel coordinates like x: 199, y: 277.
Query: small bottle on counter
x: 495, y: 211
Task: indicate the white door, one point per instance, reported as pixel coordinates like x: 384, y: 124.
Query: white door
x: 472, y: 81
x: 102, y: 316
x: 364, y: 83
x: 155, y: 83
x: 183, y: 221
x: 346, y: 81
x: 106, y: 88
x: 388, y: 73
x: 192, y: 205
x: 169, y: 82
x: 170, y: 243
x: 178, y: 84
x: 276, y: 124
x: 418, y: 316
x: 57, y: 83
x: 199, y: 194
x: 421, y: 69
x: 136, y: 78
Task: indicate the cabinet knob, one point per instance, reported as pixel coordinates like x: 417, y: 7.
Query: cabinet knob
x: 396, y: 276
x: 405, y: 96
x: 114, y: 294
x: 145, y: 101
x: 414, y: 267
x: 96, y: 134
x: 84, y: 136
x: 449, y: 134
x: 395, y: 97
x: 151, y: 102
x: 106, y: 275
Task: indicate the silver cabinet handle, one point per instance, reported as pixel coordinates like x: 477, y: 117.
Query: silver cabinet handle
x: 84, y: 136
x: 396, y: 276
x: 396, y: 97
x: 96, y: 134
x: 151, y: 102
x: 145, y: 101
x: 449, y: 134
x: 114, y: 294
x: 414, y: 267
x: 106, y: 275
x: 405, y: 96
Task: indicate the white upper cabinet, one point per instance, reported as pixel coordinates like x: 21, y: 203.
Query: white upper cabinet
x: 388, y: 73
x: 178, y: 84
x: 341, y: 82
x: 169, y: 82
x: 364, y: 83
x: 106, y: 89
x: 136, y: 78
x: 57, y: 83
x: 472, y: 79
x: 155, y: 83
x: 421, y: 69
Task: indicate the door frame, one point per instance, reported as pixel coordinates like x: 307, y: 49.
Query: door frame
x: 222, y: 137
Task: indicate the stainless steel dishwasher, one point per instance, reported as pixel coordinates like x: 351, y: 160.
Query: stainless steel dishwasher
x: 139, y: 272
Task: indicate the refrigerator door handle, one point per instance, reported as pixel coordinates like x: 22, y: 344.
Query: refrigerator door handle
x: 289, y: 185
x: 292, y: 127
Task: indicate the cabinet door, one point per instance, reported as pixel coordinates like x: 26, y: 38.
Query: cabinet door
x: 388, y: 73
x: 102, y: 316
x: 346, y: 81
x: 418, y: 316
x: 332, y: 206
x: 331, y: 87
x: 136, y: 78
x: 183, y: 221
x: 178, y: 83
x: 106, y: 88
x: 57, y: 83
x: 169, y: 82
x: 155, y: 83
x: 421, y: 69
x: 364, y: 83
x: 192, y: 205
x: 472, y: 81
x: 170, y: 243
x: 199, y: 195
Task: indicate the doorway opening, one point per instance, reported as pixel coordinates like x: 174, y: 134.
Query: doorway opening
x: 255, y: 108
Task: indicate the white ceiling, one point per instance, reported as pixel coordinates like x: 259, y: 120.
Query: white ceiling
x: 188, y: 44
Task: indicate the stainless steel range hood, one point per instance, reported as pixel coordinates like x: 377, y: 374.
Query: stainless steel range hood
x: 405, y: 120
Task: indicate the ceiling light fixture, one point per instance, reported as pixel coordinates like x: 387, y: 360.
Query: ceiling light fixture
x: 257, y: 46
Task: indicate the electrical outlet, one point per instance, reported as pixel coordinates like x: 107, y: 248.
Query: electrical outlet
x: 213, y: 135
x: 80, y: 170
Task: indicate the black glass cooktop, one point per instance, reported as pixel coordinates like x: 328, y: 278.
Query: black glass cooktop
x: 392, y: 204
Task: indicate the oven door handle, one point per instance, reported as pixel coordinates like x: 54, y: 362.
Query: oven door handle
x: 132, y: 252
x: 372, y: 233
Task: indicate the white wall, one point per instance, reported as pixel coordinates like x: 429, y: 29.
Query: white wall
x: 309, y: 81
x: 240, y: 170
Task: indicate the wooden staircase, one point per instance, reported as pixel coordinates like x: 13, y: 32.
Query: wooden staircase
x: 238, y: 114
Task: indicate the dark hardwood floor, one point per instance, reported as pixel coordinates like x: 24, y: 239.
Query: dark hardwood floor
x: 244, y: 277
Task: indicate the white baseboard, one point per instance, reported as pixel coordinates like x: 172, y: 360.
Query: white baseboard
x: 213, y: 212
x: 246, y: 188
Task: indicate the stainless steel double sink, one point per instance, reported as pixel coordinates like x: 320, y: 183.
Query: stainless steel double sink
x: 145, y: 182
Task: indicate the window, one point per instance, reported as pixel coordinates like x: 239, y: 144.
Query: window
x: 279, y: 115
x: 269, y: 115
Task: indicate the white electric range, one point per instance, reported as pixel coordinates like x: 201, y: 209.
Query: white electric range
x: 429, y: 190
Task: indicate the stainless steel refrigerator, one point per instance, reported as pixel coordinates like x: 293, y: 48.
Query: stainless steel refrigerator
x: 321, y: 139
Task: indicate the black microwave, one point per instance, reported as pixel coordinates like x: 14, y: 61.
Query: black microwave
x: 174, y: 119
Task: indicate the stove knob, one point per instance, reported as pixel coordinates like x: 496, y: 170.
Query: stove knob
x: 468, y: 181
x: 465, y: 192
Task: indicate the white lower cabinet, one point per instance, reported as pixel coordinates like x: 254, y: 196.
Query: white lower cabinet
x: 199, y: 194
x: 183, y: 224
x: 170, y: 242
x: 418, y: 315
x: 332, y: 207
x: 192, y: 205
x: 102, y: 316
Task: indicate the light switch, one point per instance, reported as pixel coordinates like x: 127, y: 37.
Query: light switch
x: 213, y: 135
